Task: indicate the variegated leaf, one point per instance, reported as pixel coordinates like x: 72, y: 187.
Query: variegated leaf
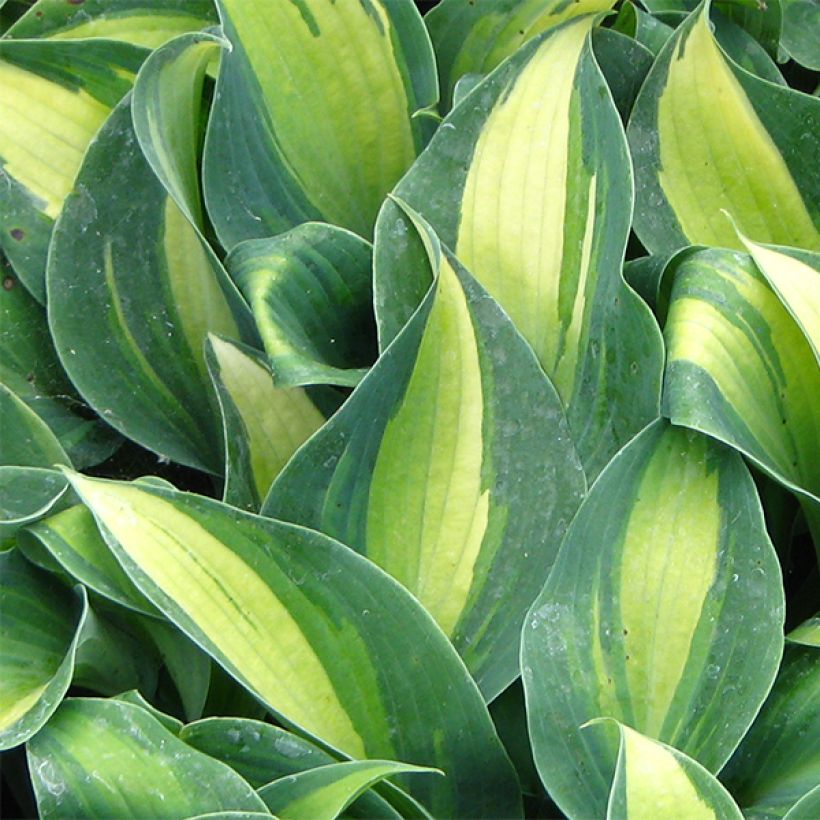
x: 664, y: 610
x: 320, y: 635
x: 450, y: 466
x: 752, y: 156
x: 528, y: 181
x: 313, y: 113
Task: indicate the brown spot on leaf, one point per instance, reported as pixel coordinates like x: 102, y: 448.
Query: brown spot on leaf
x: 8, y: 283
x: 17, y: 233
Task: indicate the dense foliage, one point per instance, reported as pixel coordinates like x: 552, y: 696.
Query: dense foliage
x: 410, y: 416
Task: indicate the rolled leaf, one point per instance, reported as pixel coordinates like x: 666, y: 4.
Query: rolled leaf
x: 40, y: 624
x: 325, y: 792
x: 646, y: 612
x: 27, y: 494
x: 542, y: 223
x: 656, y: 780
x: 429, y: 471
x: 752, y: 157
x: 310, y: 292
x: 313, y: 113
x: 624, y: 62
x: 132, y: 294
x: 740, y: 369
x: 326, y: 640
x: 795, y: 277
x: 146, y: 23
x: 808, y: 633
x: 264, y: 423
x: 108, y: 758
x: 54, y: 96
x: 72, y: 538
x: 474, y: 38
x: 778, y: 761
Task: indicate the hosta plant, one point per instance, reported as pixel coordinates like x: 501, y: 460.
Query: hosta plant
x: 410, y: 409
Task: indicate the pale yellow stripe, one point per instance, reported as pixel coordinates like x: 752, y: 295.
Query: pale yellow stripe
x: 656, y: 784
x: 511, y: 234
x: 198, y: 298
x: 716, y: 154
x: 14, y: 706
x: 337, y: 101
x: 669, y: 560
x: 146, y: 30
x: 229, y: 602
x: 427, y: 513
x: 278, y: 420
x: 45, y: 129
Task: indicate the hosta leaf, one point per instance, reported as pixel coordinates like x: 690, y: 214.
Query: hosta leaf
x: 806, y: 808
x: 323, y: 793
x: 328, y: 642
x: 132, y: 294
x: 172, y: 724
x: 312, y: 118
x: 40, y: 627
x: 779, y: 759
x: 542, y: 224
x: 801, y: 22
x: 451, y: 467
x: 795, y: 277
x: 474, y: 38
x: 752, y: 158
x: 656, y: 780
x: 147, y: 23
x: 29, y: 366
x: 664, y: 610
x: 168, y: 118
x: 72, y: 538
x: 624, y: 62
x: 25, y: 439
x: 264, y: 424
x: 28, y: 493
x: 54, y: 96
x: 310, y: 292
x: 647, y: 29
x: 740, y: 369
x: 108, y: 758
x: 808, y: 633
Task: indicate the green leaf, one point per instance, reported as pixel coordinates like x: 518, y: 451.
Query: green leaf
x: 262, y: 753
x: 808, y: 633
x: 133, y: 696
x: 146, y: 23
x: 132, y: 295
x: 436, y: 468
x: 801, y: 22
x: 474, y: 38
x: 664, y: 610
x: 310, y: 292
x: 264, y: 423
x: 40, y: 624
x: 778, y: 761
x: 25, y: 439
x: 624, y: 63
x: 72, y: 538
x: 325, y: 792
x: 752, y: 157
x: 329, y: 141
x: 542, y: 224
x: 29, y: 366
x: 647, y: 29
x: 108, y: 758
x: 54, y: 96
x: 328, y: 642
x: 806, y: 808
x: 29, y: 493
x: 740, y: 369
x: 656, y: 780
